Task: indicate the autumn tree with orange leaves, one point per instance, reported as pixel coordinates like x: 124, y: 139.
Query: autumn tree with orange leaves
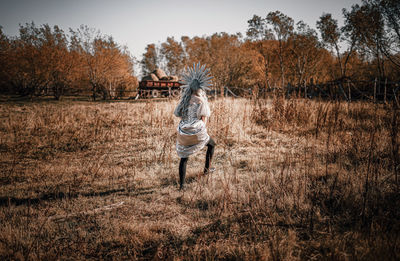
x: 106, y: 66
x: 277, y: 53
x: 44, y: 60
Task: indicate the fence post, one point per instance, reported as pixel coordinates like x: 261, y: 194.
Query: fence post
x: 384, y: 91
x: 305, y: 91
x: 395, y: 96
x: 348, y: 86
x: 344, y: 93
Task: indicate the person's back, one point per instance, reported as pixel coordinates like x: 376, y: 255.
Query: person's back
x: 193, y: 109
x: 197, y: 107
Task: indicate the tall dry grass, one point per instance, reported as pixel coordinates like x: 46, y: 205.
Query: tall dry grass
x: 295, y: 179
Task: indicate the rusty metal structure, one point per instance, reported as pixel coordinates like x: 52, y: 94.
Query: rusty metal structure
x: 158, y: 89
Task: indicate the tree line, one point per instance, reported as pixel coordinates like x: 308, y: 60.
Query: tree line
x: 44, y: 60
x: 278, y: 52
x: 275, y: 53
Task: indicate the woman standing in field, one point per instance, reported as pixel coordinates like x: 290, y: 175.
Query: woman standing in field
x: 193, y: 109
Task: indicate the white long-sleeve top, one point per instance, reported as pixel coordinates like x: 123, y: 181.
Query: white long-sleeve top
x: 192, y: 132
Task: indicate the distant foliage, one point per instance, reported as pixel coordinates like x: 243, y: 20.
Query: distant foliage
x: 277, y: 53
x: 150, y: 60
x: 45, y: 61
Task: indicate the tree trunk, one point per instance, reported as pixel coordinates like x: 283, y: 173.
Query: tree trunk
x: 94, y: 89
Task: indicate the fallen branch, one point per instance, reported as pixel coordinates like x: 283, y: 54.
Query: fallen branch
x: 229, y: 91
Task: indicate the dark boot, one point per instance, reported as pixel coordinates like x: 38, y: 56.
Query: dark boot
x: 209, y: 155
x: 182, y: 172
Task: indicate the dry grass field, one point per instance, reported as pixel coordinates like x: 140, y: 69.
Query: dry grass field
x: 295, y: 180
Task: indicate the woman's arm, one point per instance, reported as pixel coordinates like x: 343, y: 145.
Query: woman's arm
x: 204, y: 118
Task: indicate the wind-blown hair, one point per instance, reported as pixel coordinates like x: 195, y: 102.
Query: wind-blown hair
x: 194, y: 79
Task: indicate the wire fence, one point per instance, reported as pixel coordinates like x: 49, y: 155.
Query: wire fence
x: 374, y: 91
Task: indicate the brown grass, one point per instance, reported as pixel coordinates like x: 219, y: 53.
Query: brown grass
x: 295, y: 179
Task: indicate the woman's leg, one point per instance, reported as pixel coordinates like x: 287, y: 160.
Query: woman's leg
x: 182, y: 172
x: 210, y: 152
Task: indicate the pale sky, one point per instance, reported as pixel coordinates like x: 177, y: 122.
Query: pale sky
x: 136, y: 23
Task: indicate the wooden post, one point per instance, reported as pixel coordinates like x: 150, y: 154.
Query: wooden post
x: 348, y: 86
x: 395, y: 96
x: 342, y: 90
x: 305, y: 90
x: 384, y: 91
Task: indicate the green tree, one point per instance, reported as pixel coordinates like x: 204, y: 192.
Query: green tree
x: 282, y: 28
x: 257, y: 29
x: 333, y: 38
x: 365, y: 24
x: 379, y: 27
x: 174, y: 55
x: 150, y: 60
